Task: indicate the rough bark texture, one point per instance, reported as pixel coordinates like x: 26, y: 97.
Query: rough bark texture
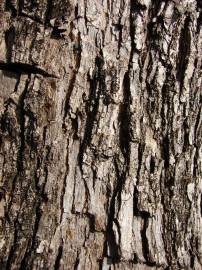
x: 100, y: 125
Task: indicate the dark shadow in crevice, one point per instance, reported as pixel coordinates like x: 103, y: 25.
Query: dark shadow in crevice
x: 58, y: 258
x: 9, y: 40
x: 24, y: 68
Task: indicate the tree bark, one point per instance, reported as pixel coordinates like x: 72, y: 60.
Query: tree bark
x: 100, y: 125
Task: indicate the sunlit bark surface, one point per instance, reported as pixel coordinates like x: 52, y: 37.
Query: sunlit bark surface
x: 100, y: 135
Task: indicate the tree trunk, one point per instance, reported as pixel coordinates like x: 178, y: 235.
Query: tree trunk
x: 100, y: 108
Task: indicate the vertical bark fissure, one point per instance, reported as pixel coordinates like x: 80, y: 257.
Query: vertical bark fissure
x: 76, y: 265
x: 41, y: 197
x: 13, y: 247
x: 64, y: 184
x: 58, y: 258
x: 145, y: 244
x: 20, y: 6
x: 20, y: 158
x: 48, y: 11
x: 198, y: 122
x: 9, y: 40
x: 183, y: 52
x: 77, y: 55
x: 10, y: 7
x: 97, y: 85
x: 110, y: 241
x: 124, y: 119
